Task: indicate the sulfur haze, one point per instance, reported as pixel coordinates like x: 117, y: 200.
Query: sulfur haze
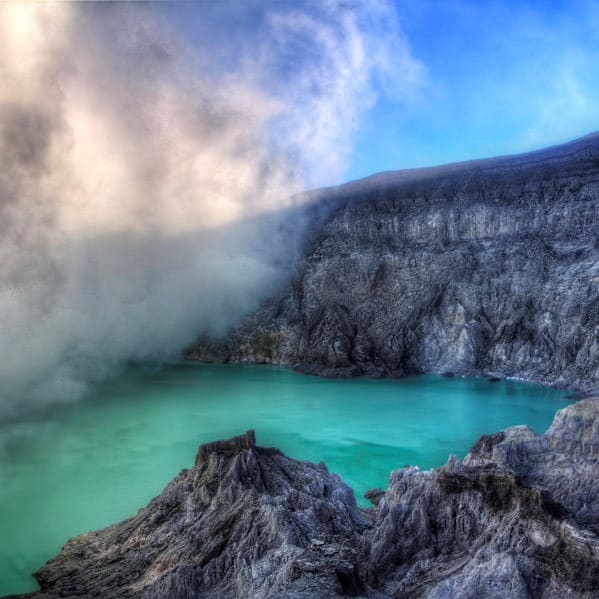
x: 146, y: 168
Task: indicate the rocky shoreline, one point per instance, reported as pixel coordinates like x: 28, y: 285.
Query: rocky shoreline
x: 484, y: 268
x: 518, y: 517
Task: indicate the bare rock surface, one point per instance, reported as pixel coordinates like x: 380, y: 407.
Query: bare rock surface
x: 245, y: 521
x: 517, y: 518
x: 481, y: 268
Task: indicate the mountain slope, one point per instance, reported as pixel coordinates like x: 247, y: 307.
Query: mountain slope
x: 483, y: 267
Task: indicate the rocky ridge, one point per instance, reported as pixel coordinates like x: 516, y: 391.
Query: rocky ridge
x: 518, y: 517
x: 481, y: 268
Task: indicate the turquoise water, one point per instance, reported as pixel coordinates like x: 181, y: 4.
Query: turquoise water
x: 86, y: 465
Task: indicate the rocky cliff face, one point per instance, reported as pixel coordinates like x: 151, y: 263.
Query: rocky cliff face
x: 517, y: 518
x: 489, y: 267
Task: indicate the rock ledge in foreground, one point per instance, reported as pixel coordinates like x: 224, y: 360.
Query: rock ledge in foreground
x: 517, y: 518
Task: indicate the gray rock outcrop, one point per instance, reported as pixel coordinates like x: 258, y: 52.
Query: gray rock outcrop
x: 517, y: 518
x: 481, y: 268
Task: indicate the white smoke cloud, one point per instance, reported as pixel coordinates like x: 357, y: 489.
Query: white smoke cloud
x: 144, y: 173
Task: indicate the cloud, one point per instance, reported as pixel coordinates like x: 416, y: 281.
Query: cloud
x: 145, y: 170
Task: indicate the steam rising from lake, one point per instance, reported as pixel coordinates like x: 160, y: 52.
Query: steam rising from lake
x: 145, y: 171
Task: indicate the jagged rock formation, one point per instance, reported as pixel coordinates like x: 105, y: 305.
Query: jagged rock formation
x: 487, y: 267
x: 517, y: 518
x: 245, y: 521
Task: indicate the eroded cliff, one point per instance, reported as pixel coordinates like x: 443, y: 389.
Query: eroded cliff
x: 488, y: 267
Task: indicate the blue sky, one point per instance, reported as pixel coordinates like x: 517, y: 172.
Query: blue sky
x: 495, y: 76
x: 499, y: 77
